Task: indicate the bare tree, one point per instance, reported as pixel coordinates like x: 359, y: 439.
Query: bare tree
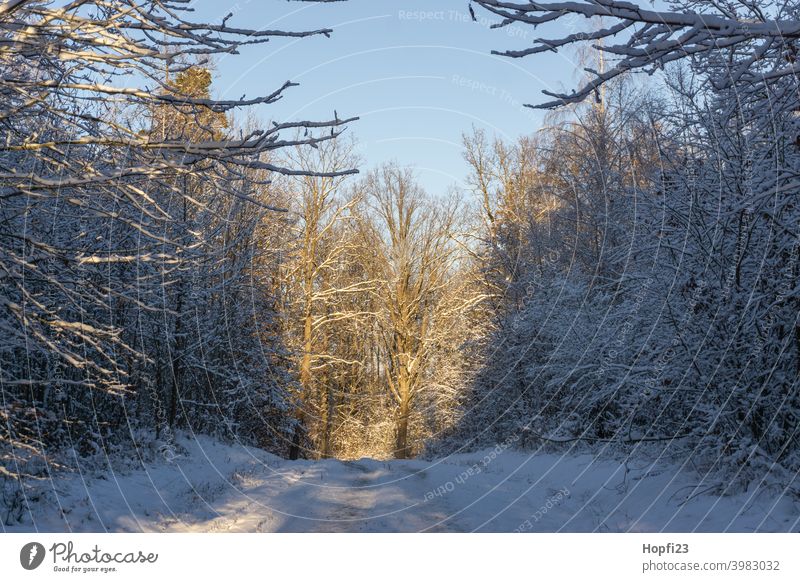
x: 321, y: 251
x: 411, y: 239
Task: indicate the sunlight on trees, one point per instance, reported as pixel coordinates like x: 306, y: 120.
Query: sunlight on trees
x: 625, y: 277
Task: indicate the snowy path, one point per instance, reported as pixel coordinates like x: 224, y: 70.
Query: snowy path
x: 217, y: 487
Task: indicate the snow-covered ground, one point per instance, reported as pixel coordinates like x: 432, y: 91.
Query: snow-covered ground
x: 217, y: 487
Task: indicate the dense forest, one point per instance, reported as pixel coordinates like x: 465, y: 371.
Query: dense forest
x: 624, y: 278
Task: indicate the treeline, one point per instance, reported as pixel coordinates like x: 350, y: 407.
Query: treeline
x: 138, y: 229
x: 644, y: 248
x: 379, y: 301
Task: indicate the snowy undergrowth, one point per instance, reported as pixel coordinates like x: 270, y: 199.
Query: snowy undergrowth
x: 212, y: 486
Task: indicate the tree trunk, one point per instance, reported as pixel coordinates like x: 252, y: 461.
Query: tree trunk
x: 176, y: 368
x: 294, y: 448
x: 328, y: 408
x: 401, y: 448
x: 305, y: 374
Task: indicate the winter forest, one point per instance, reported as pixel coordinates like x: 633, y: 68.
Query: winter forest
x: 211, y: 319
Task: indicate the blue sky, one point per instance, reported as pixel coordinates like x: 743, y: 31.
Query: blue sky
x: 418, y: 74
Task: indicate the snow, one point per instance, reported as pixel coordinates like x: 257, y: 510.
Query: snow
x: 212, y: 487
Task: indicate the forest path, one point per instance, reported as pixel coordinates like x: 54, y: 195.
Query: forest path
x: 219, y: 487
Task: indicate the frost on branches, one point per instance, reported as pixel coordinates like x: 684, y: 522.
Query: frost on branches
x: 648, y: 267
x: 134, y: 232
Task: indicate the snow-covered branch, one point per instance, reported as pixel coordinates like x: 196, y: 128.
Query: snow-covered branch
x: 646, y: 40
